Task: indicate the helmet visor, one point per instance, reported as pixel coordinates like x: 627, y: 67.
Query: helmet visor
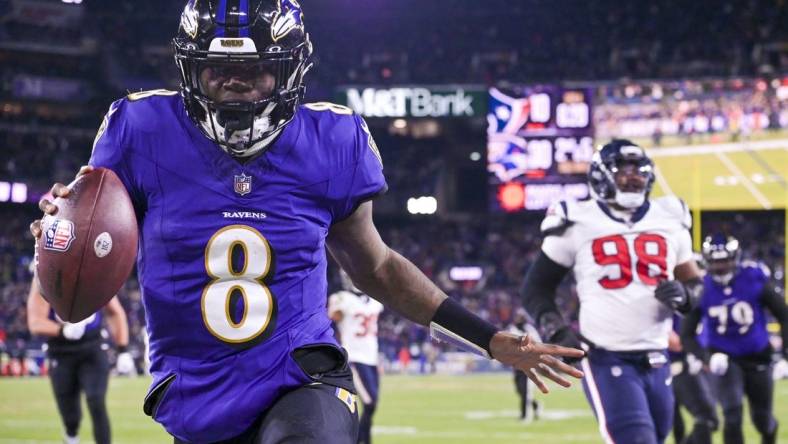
x: 239, y: 81
x: 631, y: 176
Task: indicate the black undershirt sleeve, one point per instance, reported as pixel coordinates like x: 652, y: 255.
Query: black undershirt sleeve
x: 776, y: 305
x: 689, y: 337
x: 538, y: 293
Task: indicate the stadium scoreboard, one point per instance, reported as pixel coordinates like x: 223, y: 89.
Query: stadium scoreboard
x: 539, y: 145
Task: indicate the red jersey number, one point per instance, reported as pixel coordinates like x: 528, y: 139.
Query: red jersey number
x: 651, y: 252
x: 368, y: 325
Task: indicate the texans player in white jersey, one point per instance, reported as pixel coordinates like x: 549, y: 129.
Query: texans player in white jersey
x: 356, y: 317
x: 632, y: 260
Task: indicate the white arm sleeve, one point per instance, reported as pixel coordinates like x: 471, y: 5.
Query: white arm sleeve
x: 555, y: 228
x: 560, y: 250
x: 684, y: 247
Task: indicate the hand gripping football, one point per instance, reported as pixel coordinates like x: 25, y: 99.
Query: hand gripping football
x: 87, y: 248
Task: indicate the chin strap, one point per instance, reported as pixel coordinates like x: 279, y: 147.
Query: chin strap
x: 260, y: 146
x: 232, y: 122
x: 224, y: 124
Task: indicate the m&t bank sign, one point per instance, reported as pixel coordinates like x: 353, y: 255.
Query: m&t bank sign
x: 416, y: 101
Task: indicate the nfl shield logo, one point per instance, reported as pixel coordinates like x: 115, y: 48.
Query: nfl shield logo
x: 243, y: 184
x: 59, y: 236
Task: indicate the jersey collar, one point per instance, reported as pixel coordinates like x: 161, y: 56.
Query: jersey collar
x: 637, y: 216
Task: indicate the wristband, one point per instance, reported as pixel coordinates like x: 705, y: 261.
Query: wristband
x: 454, y: 324
x: 122, y: 348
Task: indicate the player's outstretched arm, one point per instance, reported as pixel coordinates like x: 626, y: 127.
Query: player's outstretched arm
x: 776, y: 304
x: 538, y: 295
x: 689, y: 335
x: 380, y: 271
x: 38, y: 321
x: 119, y: 330
x: 390, y: 278
x: 117, y: 323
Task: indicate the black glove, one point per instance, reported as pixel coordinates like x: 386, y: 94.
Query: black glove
x: 674, y: 295
x: 567, y: 338
x: 554, y: 330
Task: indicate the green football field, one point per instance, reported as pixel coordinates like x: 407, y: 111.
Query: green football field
x: 742, y: 176
x: 413, y: 409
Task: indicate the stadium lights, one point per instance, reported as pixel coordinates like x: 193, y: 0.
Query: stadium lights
x: 13, y: 192
x: 422, y: 205
x: 476, y: 156
x: 512, y: 196
x: 73, y: 2
x: 467, y: 273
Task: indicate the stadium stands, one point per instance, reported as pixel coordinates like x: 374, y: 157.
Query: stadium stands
x: 60, y: 75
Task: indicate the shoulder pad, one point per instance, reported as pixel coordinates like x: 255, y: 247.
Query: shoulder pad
x: 758, y: 269
x: 556, y: 219
x: 339, y: 295
x: 335, y: 123
x: 330, y: 107
x: 113, y: 109
x: 678, y: 208
x: 141, y: 95
x: 335, y: 300
x: 149, y: 111
x: 340, y: 125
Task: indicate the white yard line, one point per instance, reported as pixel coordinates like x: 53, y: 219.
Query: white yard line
x: 691, y: 150
x: 744, y: 180
x: 406, y: 433
x: 666, y: 190
x: 27, y: 441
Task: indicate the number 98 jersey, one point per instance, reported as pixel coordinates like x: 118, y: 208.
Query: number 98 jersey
x: 617, y: 265
x: 232, y: 259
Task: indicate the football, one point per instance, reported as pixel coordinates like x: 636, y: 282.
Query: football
x: 87, y: 248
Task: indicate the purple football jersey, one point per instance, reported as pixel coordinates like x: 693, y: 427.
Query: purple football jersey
x: 734, y: 321
x: 232, y: 260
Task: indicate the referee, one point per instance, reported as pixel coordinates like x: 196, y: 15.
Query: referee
x: 78, y: 363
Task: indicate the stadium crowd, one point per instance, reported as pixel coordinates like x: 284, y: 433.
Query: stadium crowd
x: 709, y: 110
x: 480, y: 263
x: 417, y: 42
x: 60, y: 74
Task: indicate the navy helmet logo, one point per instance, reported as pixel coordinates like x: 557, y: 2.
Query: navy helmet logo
x: 243, y: 184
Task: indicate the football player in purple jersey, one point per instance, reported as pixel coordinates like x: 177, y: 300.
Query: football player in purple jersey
x: 78, y: 361
x: 692, y: 391
x: 734, y: 342
x: 239, y: 190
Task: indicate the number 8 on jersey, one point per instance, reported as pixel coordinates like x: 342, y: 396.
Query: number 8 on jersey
x: 243, y: 278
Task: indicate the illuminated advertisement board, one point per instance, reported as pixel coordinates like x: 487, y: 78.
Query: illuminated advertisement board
x: 539, y: 144
x: 441, y: 101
